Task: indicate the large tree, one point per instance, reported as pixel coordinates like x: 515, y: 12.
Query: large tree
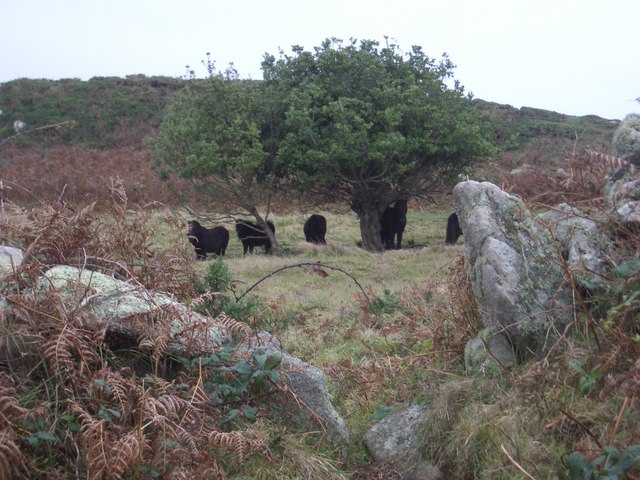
x: 372, y: 125
x: 217, y: 135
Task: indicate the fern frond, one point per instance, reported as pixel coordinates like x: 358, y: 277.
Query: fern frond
x: 10, y: 411
x: 93, y: 439
x: 238, y: 444
x: 234, y: 326
x: 126, y: 453
x: 169, y: 406
x: 12, y: 462
x: 57, y: 351
x: 185, y: 438
x: 161, y: 386
x: 612, y: 162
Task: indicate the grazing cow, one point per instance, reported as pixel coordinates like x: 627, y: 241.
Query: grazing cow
x: 213, y: 240
x: 392, y: 224
x: 453, y: 229
x: 315, y: 228
x: 251, y: 235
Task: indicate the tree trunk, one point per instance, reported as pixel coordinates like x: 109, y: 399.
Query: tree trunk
x: 370, y: 228
x: 276, y: 249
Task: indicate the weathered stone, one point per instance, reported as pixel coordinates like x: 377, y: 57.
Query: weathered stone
x: 513, y: 266
x: 122, y: 305
x: 10, y: 259
x: 131, y: 310
x: 622, y: 193
x: 623, y: 186
x: 626, y: 139
x: 629, y: 213
x: 312, y: 408
x: 489, y: 351
x: 582, y: 244
x: 395, y: 441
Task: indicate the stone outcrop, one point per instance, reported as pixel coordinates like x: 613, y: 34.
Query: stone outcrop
x: 124, y: 307
x: 395, y: 441
x: 514, y: 268
x: 626, y: 139
x: 130, y: 310
x: 582, y: 244
x: 622, y: 193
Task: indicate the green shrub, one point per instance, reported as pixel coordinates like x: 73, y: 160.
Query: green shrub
x: 385, y: 305
x: 626, y: 139
x: 218, y: 277
x: 610, y: 465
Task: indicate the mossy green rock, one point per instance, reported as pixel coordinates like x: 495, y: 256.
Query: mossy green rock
x: 131, y: 310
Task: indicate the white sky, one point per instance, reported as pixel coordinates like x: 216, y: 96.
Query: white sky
x: 577, y: 57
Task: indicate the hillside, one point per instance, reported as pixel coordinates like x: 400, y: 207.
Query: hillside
x: 112, y: 118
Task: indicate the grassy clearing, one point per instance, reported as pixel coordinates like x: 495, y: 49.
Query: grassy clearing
x: 368, y: 336
x: 402, y: 342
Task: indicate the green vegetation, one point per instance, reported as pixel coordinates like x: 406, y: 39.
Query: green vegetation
x: 107, y: 112
x: 542, y: 137
x: 388, y: 330
x: 356, y: 124
x: 401, y: 343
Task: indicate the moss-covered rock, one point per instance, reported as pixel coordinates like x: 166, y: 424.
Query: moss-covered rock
x: 626, y: 139
x: 131, y: 310
x: 514, y: 267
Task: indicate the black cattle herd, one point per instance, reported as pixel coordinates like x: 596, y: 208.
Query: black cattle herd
x: 392, y: 224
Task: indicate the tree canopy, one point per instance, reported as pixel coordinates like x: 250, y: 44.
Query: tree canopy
x: 213, y: 136
x: 372, y: 125
x: 350, y: 121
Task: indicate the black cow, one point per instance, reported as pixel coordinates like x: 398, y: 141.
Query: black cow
x: 251, y: 235
x: 453, y: 229
x: 315, y: 228
x: 213, y: 240
x: 392, y: 224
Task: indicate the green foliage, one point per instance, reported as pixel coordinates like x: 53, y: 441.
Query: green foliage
x: 610, y: 465
x: 218, y: 277
x: 544, y: 135
x: 212, y: 135
x: 371, y: 125
x: 587, y: 379
x: 626, y: 139
x: 381, y: 413
x: 385, y: 305
x: 231, y: 380
x: 107, y: 111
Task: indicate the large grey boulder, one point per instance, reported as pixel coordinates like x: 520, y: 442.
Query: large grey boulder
x: 626, y: 139
x: 583, y: 244
x: 395, y: 441
x: 623, y: 196
x: 131, y: 310
x: 513, y: 266
x: 622, y: 191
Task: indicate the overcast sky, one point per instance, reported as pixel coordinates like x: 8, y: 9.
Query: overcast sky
x: 577, y: 57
